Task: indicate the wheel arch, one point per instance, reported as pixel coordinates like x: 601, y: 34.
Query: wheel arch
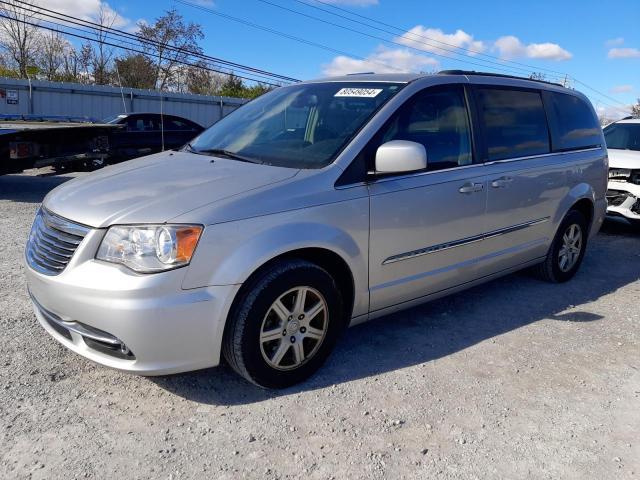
x: 581, y: 198
x: 325, y: 258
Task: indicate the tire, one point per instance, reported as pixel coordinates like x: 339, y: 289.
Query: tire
x: 552, y: 269
x: 273, y: 359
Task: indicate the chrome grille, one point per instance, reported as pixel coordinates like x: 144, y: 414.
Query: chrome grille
x: 52, y: 242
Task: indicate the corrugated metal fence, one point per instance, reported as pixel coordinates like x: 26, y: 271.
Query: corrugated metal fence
x: 98, y: 101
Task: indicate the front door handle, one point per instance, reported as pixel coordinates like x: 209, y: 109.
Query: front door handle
x: 501, y: 182
x: 471, y: 187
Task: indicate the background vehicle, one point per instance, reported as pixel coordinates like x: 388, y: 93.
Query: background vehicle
x: 142, y: 134
x: 314, y: 207
x: 623, y: 195
x: 28, y: 141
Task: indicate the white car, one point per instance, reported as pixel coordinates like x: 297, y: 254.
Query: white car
x: 623, y: 194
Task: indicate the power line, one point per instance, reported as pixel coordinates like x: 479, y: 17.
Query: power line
x: 89, y: 24
x: 502, y: 68
x: 262, y: 78
x: 282, y: 34
x: 475, y: 52
x: 404, y: 32
x: 36, y: 25
x: 559, y: 77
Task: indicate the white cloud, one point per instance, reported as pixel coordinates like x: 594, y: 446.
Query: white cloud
x: 436, y: 41
x: 352, y: 3
x: 614, y: 41
x: 87, y: 10
x: 622, y: 89
x: 383, y: 60
x: 510, y: 47
x: 624, y: 53
x: 612, y: 113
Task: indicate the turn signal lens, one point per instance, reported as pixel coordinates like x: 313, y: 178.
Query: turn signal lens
x: 187, y: 239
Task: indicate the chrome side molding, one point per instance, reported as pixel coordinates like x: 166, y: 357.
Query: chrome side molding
x: 463, y: 241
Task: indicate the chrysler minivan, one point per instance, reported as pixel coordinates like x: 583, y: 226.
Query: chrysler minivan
x: 317, y: 206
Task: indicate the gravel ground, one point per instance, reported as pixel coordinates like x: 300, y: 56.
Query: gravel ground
x: 513, y: 379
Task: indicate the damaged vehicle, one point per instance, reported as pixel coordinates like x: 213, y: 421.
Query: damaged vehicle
x: 623, y: 194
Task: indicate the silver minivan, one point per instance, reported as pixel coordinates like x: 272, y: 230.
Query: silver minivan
x: 314, y: 207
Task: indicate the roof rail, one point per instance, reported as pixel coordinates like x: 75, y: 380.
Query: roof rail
x: 500, y: 75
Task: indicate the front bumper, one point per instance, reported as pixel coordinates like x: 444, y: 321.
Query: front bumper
x: 165, y: 328
x: 624, y: 200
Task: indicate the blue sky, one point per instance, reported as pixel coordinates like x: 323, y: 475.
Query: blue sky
x: 588, y: 40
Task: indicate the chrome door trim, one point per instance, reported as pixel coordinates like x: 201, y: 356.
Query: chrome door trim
x: 463, y: 241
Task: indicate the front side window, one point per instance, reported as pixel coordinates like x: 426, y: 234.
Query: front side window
x: 300, y: 126
x: 577, y: 126
x: 515, y: 123
x: 436, y: 118
x: 623, y: 136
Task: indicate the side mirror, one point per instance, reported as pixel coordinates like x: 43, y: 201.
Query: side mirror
x: 400, y: 156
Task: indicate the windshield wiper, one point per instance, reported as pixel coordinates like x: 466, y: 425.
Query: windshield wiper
x: 220, y: 152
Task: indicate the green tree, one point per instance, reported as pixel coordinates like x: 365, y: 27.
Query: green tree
x: 135, y: 71
x: 233, y: 86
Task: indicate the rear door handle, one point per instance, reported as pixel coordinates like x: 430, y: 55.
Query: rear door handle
x: 471, y: 187
x: 501, y: 182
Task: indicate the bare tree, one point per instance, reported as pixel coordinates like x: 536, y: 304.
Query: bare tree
x: 635, y: 109
x: 52, y: 55
x: 17, y: 36
x: 102, y: 53
x: 171, y: 41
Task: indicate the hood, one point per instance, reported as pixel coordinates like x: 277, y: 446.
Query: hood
x: 628, y: 159
x: 157, y: 188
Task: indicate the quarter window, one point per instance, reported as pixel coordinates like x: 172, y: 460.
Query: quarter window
x: 438, y: 120
x: 514, y: 121
x: 576, y: 125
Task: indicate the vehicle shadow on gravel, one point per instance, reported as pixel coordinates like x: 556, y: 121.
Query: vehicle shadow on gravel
x: 442, y: 327
x: 28, y: 188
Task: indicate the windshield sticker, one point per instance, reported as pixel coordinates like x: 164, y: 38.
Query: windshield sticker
x: 358, y: 92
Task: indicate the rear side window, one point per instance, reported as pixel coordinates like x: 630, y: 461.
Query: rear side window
x: 576, y: 126
x: 515, y: 123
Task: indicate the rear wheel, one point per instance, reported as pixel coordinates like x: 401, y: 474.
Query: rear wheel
x: 567, y: 250
x: 284, y: 324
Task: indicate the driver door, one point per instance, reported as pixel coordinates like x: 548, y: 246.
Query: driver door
x: 426, y: 227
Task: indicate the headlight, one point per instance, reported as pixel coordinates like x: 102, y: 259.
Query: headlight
x: 150, y: 248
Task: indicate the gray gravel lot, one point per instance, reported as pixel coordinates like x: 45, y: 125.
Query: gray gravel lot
x: 513, y: 379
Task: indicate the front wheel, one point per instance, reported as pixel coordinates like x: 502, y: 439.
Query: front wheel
x: 567, y: 250
x: 284, y: 324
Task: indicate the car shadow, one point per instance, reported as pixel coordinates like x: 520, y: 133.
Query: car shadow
x: 440, y: 328
x: 29, y: 188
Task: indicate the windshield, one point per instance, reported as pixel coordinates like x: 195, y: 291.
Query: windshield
x: 114, y: 118
x: 301, y: 126
x: 623, y: 136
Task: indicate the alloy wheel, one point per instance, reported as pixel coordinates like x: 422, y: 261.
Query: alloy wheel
x: 293, y: 328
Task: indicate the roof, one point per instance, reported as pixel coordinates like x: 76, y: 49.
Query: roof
x: 628, y: 120
x: 373, y: 77
x: 409, y: 77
